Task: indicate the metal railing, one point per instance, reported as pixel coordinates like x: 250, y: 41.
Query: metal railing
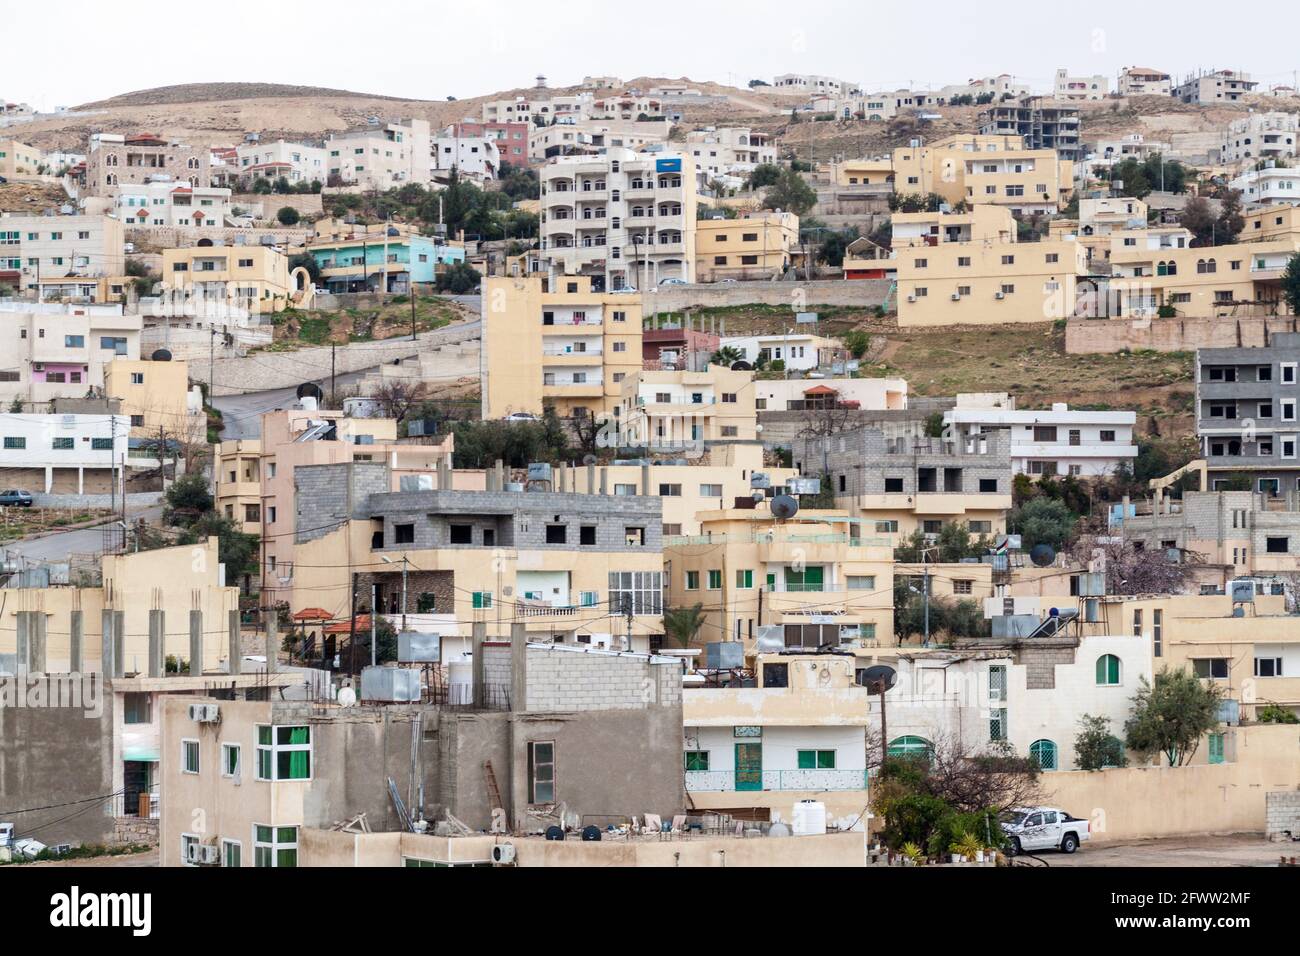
x: 727, y: 781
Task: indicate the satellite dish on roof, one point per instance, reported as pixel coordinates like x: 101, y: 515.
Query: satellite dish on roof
x: 742, y: 367
x: 1043, y: 555
x: 161, y: 355
x: 784, y: 507
x: 881, y: 678
x: 312, y: 389
x: 205, y: 243
x: 393, y: 231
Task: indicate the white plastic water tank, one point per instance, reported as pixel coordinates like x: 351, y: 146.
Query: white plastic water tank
x: 460, y: 679
x: 809, y: 818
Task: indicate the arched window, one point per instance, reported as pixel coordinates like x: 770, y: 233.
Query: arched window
x: 1200, y: 266
x: 1044, y: 752
x: 1211, y: 266
x: 1162, y: 269
x: 1173, y: 268
x: 1108, y: 671
x: 910, y: 747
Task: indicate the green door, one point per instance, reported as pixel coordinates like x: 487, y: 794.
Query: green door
x: 1216, y: 748
x: 749, y: 766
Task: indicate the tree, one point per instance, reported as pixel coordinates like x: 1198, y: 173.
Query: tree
x: 858, y: 342
x: 1171, y: 716
x: 1095, y: 747
x: 288, y: 216
x: 1043, y: 520
x: 790, y: 193
x: 684, y: 623
x: 1230, y: 222
x: 305, y: 260
x: 235, y: 549
x: 460, y: 278
x: 1198, y: 218
x: 187, y: 500
x: 1291, y: 284
x: 728, y: 355
x: 1131, y: 570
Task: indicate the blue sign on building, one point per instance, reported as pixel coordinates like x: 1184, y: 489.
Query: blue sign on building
x: 668, y: 165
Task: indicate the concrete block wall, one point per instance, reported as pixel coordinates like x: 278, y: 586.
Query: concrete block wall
x: 1282, y: 814
x: 865, y: 457
x: 327, y: 493
x: 1040, y: 665
x: 497, y: 669
x: 561, y: 680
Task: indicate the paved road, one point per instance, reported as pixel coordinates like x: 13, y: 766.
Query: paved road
x: 1233, y: 850
x: 242, y: 414
x: 57, y: 546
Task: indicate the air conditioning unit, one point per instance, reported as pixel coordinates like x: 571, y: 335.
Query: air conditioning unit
x: 999, y: 295
x: 911, y: 298
x: 503, y: 854
x: 209, y: 855
x: 205, y: 713
x: 956, y: 297
x: 194, y: 854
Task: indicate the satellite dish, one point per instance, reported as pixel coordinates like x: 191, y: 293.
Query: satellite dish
x: 1043, y: 555
x: 589, y: 459
x: 742, y: 367
x: 778, y: 830
x: 347, y: 697
x: 881, y: 678
x: 312, y: 389
x: 784, y: 507
x: 554, y: 833
x: 591, y: 834
x: 161, y: 355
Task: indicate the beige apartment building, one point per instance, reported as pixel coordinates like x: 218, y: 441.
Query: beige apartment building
x: 980, y: 223
x: 158, y: 398
x: 45, y: 256
x: 729, y: 150
x: 62, y: 351
x: 1144, y: 81
x: 18, y: 160
x: 624, y: 218
x: 558, y: 342
x: 758, y: 245
x: 115, y: 160
x: 591, y: 137
x: 813, y: 577
x: 973, y: 283
x: 381, y: 157
x: 864, y: 172
x: 686, y: 410
x: 994, y: 169
x: 1100, y: 221
x: 237, y: 483
x: 255, y: 278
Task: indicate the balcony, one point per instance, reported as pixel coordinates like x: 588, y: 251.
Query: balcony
x: 569, y: 351
x: 932, y: 503
x: 728, y: 781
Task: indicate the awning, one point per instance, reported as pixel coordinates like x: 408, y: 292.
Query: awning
x: 313, y: 614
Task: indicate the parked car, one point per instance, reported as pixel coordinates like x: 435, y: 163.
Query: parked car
x: 672, y: 280
x: 3, y: 181
x: 16, y: 498
x: 1044, y: 828
x: 626, y: 290
x: 521, y: 417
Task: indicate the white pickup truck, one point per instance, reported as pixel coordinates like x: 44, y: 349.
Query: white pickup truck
x: 1044, y: 828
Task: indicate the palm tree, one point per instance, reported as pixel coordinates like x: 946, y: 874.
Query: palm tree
x: 728, y: 355
x: 683, y: 623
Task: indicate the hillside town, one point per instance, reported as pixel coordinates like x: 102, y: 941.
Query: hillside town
x: 652, y: 471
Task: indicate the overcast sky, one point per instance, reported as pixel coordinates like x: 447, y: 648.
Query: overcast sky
x: 431, y: 50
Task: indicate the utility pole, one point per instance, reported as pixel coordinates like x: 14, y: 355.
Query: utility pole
x: 412, y: 306
x: 352, y: 639
x: 925, y: 563
x: 374, y: 624
x: 212, y: 363
x: 405, y: 564
x: 333, y: 386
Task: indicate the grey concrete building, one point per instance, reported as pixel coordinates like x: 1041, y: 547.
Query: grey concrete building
x: 1045, y: 123
x: 867, y: 462
x: 1244, y: 532
x: 1246, y: 416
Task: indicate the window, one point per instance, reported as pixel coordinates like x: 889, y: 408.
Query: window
x: 816, y: 759
x: 137, y: 421
x: 137, y: 378
x: 275, y: 846
x: 188, y: 842
x: 715, y: 580
x: 1044, y: 752
x: 670, y: 491
x: 137, y: 709
x: 15, y: 442
x: 74, y: 341
x: 861, y: 582
x: 1210, y: 668
x: 1268, y: 667
x: 189, y: 756
x: 1137, y: 622
x: 587, y: 535
x: 230, y: 760
x: 462, y: 534
x: 961, y: 587
x: 1215, y: 742
x: 1277, y: 545
x: 101, y: 444
x: 1108, y: 671
x: 63, y: 444
x: 641, y: 591
x: 541, y: 771
x: 988, y: 486
x: 283, y: 753
x: 1158, y: 633
x: 692, y: 580
x: 910, y: 747
x: 1107, y: 435
x: 744, y: 580
x: 231, y: 853
x: 557, y: 534
x: 696, y: 760
x: 404, y: 534
x: 710, y: 491
x: 482, y: 600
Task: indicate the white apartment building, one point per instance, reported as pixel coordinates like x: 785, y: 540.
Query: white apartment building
x: 477, y: 157
x: 1000, y: 86
x: 1261, y: 136
x: 1271, y: 186
x: 626, y: 217
x: 1057, y: 441
x: 1220, y: 86
x: 800, y: 351
x: 170, y: 204
x: 1067, y: 87
x: 541, y: 110
x: 1144, y: 81
x: 813, y: 85
x: 804, y: 394
x: 729, y: 151
x: 996, y: 697
x: 60, y: 351
x: 1110, y: 152
x: 569, y: 138
x: 56, y: 454
x: 295, y: 162
x: 36, y: 249
x: 381, y: 157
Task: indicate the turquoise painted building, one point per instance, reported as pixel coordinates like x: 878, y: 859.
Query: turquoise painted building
x: 368, y: 264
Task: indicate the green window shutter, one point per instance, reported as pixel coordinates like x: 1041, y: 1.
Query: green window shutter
x: 807, y: 760
x: 826, y: 760
x: 1216, y: 748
